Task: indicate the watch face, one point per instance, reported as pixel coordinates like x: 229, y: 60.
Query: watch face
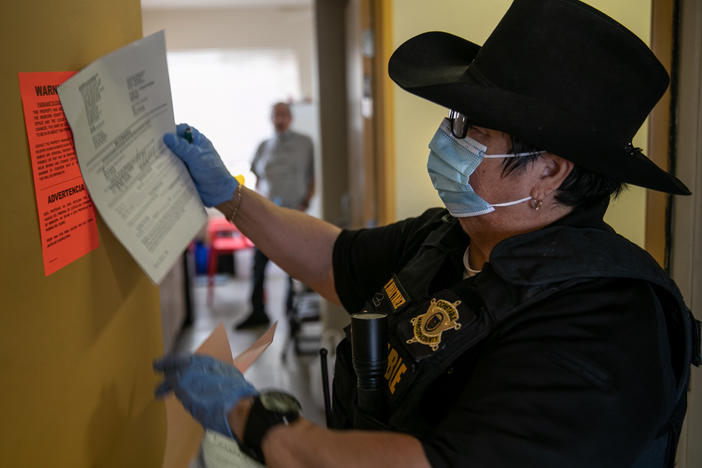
x: 279, y: 402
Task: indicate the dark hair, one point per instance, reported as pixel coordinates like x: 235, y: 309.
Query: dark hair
x: 578, y: 188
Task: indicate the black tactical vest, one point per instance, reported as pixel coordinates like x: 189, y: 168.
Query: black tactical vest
x: 429, y: 330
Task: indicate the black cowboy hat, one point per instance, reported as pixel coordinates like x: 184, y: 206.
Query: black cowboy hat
x: 555, y: 73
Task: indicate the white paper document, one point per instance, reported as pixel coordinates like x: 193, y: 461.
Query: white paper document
x: 219, y: 451
x: 118, y: 108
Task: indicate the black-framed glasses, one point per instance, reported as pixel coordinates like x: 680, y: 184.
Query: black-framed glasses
x: 459, y: 124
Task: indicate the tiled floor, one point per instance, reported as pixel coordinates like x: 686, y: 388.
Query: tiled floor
x: 279, y: 366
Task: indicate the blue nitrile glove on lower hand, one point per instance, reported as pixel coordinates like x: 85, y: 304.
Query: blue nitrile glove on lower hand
x: 208, y: 388
x: 213, y: 181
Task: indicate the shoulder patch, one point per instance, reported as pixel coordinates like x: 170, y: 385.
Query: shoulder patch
x: 394, y: 293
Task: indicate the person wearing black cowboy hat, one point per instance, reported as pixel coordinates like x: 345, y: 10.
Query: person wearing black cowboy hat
x: 522, y: 330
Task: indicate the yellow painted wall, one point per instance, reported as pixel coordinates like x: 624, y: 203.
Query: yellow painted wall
x: 416, y: 120
x: 76, y: 385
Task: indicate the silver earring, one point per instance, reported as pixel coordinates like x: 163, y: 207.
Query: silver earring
x: 537, y: 205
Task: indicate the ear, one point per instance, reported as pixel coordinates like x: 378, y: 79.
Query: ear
x: 553, y: 170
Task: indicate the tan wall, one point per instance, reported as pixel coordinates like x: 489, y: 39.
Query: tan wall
x: 75, y: 347
x: 416, y: 120
x: 241, y: 28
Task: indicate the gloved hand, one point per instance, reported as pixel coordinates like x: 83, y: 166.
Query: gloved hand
x: 213, y: 181
x: 208, y: 388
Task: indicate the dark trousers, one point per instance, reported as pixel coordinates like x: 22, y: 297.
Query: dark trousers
x: 258, y: 298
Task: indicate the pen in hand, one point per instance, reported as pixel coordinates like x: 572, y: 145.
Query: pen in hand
x: 188, y: 135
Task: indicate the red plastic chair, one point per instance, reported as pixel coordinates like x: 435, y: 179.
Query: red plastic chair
x: 225, y: 239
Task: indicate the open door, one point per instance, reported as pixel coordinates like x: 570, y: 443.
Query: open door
x: 371, y: 156
x: 686, y: 239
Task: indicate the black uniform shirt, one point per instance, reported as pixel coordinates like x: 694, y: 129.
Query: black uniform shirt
x: 582, y: 379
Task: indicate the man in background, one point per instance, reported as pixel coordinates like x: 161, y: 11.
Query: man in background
x: 284, y: 169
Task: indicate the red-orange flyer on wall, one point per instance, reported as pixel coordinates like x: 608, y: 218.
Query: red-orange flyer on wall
x: 67, y: 219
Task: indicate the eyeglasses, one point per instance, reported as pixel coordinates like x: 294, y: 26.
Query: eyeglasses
x: 459, y: 124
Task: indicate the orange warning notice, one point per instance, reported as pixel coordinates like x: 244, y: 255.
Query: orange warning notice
x: 67, y: 221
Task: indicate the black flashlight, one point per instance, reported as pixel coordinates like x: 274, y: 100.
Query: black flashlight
x: 369, y: 354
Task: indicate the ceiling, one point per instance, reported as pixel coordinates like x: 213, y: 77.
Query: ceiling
x: 168, y: 4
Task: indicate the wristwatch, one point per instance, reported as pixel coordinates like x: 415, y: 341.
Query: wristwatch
x: 270, y: 408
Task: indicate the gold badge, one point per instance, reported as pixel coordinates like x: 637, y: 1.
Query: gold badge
x: 441, y: 315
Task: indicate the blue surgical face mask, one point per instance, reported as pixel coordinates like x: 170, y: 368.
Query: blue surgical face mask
x: 451, y: 162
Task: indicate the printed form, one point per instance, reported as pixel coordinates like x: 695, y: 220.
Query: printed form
x: 118, y: 108
x: 67, y: 219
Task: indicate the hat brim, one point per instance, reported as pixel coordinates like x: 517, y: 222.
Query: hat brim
x: 436, y: 67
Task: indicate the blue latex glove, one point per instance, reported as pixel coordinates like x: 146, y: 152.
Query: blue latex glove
x: 213, y: 181
x: 208, y: 388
